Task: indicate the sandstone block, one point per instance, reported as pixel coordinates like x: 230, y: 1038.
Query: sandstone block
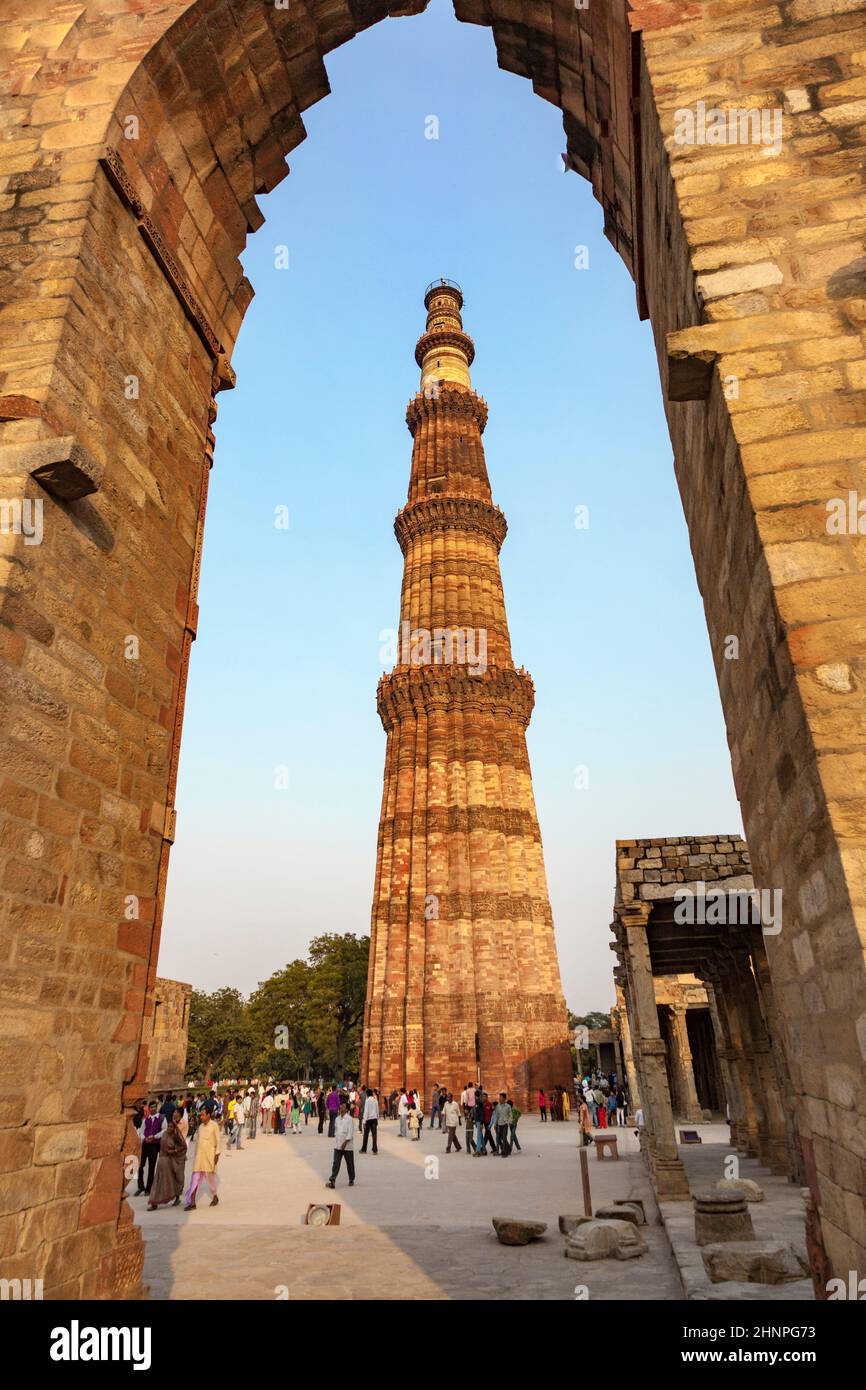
x: 513, y: 1232
x: 604, y: 1240
x: 749, y: 1189
x: 754, y: 1262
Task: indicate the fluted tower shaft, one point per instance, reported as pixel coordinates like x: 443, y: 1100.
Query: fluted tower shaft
x: 463, y: 977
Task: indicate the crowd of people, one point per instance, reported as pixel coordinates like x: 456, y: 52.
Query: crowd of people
x: 170, y: 1127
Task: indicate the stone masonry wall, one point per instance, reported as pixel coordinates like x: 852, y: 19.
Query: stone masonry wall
x: 167, y: 1036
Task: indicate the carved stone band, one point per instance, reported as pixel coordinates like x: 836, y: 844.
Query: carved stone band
x: 444, y: 337
x: 452, y: 513
x: 447, y: 400
x: 428, y: 690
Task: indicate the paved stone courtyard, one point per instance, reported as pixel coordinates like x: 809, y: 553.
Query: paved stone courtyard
x: 402, y: 1235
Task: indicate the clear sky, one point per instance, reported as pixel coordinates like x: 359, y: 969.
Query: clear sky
x: 607, y: 619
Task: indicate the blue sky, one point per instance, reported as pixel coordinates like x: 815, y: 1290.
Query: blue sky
x: 607, y: 619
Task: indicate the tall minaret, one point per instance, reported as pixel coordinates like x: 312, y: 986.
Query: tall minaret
x: 463, y: 979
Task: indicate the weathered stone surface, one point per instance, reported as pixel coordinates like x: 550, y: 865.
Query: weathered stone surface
x: 636, y: 1204
x: 62, y: 467
x: 510, y: 1231
x: 603, y: 1240
x: 567, y: 1224
x: 752, y: 1191
x: 619, y: 1211
x: 778, y: 434
x: 754, y: 1262
x: 721, y: 1216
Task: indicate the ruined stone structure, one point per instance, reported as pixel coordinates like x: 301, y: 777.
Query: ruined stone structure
x: 685, y: 1025
x: 166, y: 1035
x: 136, y: 138
x: 464, y: 978
x: 685, y: 1020
x: 683, y: 909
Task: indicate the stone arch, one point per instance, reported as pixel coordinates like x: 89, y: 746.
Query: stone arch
x: 122, y: 262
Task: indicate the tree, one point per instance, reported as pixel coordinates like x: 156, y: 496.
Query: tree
x: 220, y: 1037
x: 590, y: 1020
x: 278, y: 1014
x: 337, y: 990
x: 303, y: 1020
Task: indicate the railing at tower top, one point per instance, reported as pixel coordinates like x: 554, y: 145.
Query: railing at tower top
x: 443, y: 284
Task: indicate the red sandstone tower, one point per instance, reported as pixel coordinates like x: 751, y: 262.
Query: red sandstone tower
x: 464, y: 979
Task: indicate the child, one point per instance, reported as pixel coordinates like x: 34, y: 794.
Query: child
x: 515, y: 1116
x: 470, y: 1131
x: 414, y: 1120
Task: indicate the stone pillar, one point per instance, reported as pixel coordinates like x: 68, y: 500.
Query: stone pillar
x: 727, y: 1056
x: 681, y: 1061
x: 667, y: 1168
x: 753, y: 1133
x: 627, y: 1047
x: 767, y: 1001
x: 773, y: 1138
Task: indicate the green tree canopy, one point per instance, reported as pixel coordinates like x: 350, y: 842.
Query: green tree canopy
x: 221, y: 1038
x: 303, y: 1021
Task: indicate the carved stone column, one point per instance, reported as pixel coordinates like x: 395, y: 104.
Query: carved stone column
x: 727, y: 1055
x: 773, y: 1130
x: 767, y: 1001
x: 681, y: 1060
x: 668, y: 1172
x: 754, y: 1139
x: 627, y: 1047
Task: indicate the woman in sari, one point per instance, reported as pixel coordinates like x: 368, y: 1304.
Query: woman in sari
x: 168, y: 1183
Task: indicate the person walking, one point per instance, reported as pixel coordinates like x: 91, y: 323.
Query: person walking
x: 333, y: 1105
x: 434, y: 1105
x: 251, y: 1111
x: 584, y: 1120
x: 150, y: 1133
x: 451, y: 1117
x: 515, y: 1116
x: 488, y: 1122
x: 321, y: 1108
x: 370, y: 1117
x: 502, y: 1123
x: 469, y: 1122
x: 542, y: 1106
x: 415, y: 1120
x: 168, y: 1184
x: 295, y: 1113
x: 205, y: 1159
x: 621, y: 1106
x: 344, y: 1144
x: 600, y: 1108
x: 307, y: 1108
x: 238, y: 1116
x: 403, y: 1113
x: 479, y: 1114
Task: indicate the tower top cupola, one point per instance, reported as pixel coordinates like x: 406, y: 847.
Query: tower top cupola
x: 444, y: 352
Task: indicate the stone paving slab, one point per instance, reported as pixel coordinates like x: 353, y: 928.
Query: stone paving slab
x: 403, y: 1235
x: 779, y: 1217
